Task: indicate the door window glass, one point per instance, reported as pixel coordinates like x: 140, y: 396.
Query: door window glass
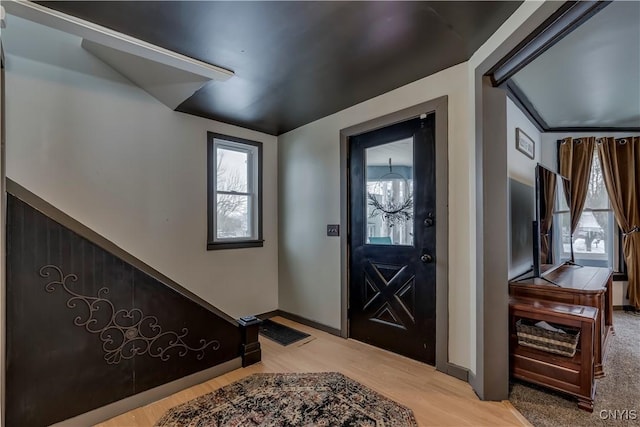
x: 389, y: 198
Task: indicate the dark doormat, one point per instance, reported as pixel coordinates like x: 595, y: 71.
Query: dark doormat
x: 279, y: 333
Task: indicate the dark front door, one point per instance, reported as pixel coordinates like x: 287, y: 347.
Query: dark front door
x: 392, y: 289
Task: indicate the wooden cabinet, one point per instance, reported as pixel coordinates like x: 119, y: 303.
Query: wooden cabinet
x: 587, y: 286
x: 573, y: 375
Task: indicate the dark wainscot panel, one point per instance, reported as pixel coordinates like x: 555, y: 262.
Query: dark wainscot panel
x: 86, y: 329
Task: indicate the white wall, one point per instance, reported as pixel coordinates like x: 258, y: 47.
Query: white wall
x: 309, y: 188
x: 97, y: 147
x: 520, y: 168
x: 620, y: 293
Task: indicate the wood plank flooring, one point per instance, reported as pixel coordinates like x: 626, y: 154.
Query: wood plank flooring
x: 435, y: 398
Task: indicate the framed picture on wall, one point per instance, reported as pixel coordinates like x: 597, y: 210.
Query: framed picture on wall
x: 525, y: 144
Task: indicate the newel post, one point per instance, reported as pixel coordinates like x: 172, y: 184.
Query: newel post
x: 250, y: 348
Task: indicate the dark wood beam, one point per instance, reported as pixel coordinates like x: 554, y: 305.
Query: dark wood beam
x: 594, y: 129
x: 520, y: 99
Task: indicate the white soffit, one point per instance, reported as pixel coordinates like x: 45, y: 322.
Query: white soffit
x: 167, y: 84
x: 591, y: 77
x: 168, y: 76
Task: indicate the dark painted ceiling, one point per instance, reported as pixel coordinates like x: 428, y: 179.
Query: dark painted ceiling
x: 296, y: 62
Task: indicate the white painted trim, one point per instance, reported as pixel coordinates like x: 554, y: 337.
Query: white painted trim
x: 113, y: 39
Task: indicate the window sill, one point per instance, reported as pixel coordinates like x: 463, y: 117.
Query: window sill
x: 213, y: 246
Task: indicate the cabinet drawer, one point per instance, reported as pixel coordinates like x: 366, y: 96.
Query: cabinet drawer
x: 555, y: 374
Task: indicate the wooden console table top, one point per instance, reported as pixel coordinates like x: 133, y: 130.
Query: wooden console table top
x: 572, y: 278
x: 559, y: 310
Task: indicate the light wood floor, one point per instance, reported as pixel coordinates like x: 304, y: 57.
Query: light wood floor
x: 435, y: 398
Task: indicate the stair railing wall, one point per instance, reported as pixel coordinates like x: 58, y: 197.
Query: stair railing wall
x: 89, y: 326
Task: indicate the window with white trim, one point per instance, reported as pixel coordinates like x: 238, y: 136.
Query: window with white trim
x: 235, y: 192
x: 595, y: 240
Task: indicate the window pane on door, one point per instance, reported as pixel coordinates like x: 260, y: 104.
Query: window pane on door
x: 231, y: 171
x: 389, y: 198
x: 233, y: 218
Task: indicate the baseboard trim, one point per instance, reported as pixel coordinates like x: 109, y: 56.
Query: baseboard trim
x: 300, y: 319
x: 312, y: 323
x: 451, y: 369
x: 629, y: 309
x: 474, y: 383
x: 625, y: 307
x: 114, y: 409
x: 267, y: 315
x: 457, y: 372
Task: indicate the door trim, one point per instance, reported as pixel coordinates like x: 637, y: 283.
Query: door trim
x: 440, y: 107
x: 490, y: 381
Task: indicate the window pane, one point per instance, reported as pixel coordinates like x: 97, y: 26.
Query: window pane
x: 233, y: 219
x: 231, y: 171
x: 593, y: 228
x: 389, y: 193
x: 597, y: 197
x: 234, y: 210
x: 563, y: 190
x: 594, y: 240
x: 562, y: 222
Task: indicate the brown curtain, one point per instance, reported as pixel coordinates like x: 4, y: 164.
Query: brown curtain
x: 548, y: 179
x: 620, y: 161
x: 576, y: 156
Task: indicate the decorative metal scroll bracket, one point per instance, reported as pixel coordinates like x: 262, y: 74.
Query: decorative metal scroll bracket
x: 124, y: 333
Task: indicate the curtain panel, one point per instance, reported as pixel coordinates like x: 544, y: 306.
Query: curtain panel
x: 576, y: 157
x: 620, y: 162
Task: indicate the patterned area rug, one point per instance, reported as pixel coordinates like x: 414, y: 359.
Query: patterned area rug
x: 283, y: 400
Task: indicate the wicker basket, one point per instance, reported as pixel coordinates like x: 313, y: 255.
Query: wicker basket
x: 553, y: 342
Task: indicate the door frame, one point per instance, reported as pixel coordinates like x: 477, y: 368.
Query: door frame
x: 490, y: 381
x: 440, y: 107
x: 3, y: 229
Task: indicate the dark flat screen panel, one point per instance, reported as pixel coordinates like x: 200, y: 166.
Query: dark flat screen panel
x: 521, y: 197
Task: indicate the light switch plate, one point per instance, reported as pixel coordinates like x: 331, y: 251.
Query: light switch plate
x: 333, y: 230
